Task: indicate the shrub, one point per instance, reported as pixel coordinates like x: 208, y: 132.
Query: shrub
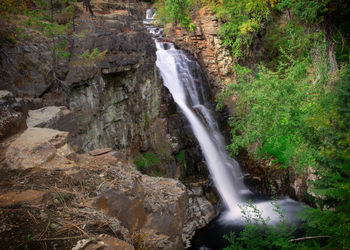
x: 310, y: 11
x: 145, y: 161
x: 240, y: 20
x: 175, y: 11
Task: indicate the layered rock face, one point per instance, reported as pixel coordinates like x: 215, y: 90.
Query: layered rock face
x: 113, y: 100
x: 114, y: 107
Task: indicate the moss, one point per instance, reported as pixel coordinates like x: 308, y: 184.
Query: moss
x: 145, y: 161
x: 147, y: 120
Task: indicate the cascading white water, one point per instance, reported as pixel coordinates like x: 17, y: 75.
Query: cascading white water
x: 178, y: 71
x: 174, y: 67
x: 149, y: 14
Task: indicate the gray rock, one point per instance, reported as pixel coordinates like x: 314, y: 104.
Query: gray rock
x: 47, y: 117
x: 39, y: 147
x: 199, y: 213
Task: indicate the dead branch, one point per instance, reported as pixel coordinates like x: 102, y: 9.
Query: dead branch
x: 310, y: 238
x: 63, y: 238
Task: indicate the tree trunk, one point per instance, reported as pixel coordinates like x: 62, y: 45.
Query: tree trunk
x: 87, y: 6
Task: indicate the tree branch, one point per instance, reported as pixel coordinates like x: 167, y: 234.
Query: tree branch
x: 309, y: 238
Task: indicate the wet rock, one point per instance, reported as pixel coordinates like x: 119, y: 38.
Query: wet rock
x: 36, y: 147
x: 266, y: 177
x: 207, y: 47
x: 13, y: 114
x: 199, y: 213
x: 28, y: 197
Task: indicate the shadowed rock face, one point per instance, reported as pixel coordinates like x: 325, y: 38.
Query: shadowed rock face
x: 113, y: 101
x: 116, y: 100
x: 13, y: 114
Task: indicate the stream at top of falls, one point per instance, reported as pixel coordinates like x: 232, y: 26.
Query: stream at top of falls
x: 183, y: 77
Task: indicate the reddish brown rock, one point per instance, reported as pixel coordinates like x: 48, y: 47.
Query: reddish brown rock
x: 204, y: 43
x: 101, y: 151
x: 31, y: 197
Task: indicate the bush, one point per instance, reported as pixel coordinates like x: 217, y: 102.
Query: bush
x: 277, y: 110
x: 145, y: 161
x: 240, y: 20
x: 175, y: 11
x: 310, y: 11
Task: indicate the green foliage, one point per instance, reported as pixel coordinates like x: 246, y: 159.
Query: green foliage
x: 175, y: 11
x: 180, y: 157
x: 145, y: 161
x: 310, y: 11
x: 332, y: 185
x: 147, y: 120
x: 298, y: 112
x: 275, y: 110
x: 240, y: 20
x: 43, y: 18
x: 91, y: 59
x: 287, y: 39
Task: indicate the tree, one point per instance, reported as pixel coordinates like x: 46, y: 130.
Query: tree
x: 87, y: 5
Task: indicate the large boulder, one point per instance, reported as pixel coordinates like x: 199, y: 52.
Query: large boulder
x: 145, y: 205
x: 39, y: 147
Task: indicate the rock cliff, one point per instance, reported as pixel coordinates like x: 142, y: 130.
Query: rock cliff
x: 112, y: 109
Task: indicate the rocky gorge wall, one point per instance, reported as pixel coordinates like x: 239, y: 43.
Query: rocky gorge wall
x: 111, y: 109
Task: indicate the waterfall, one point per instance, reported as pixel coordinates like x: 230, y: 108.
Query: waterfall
x: 183, y: 77
x: 177, y: 73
